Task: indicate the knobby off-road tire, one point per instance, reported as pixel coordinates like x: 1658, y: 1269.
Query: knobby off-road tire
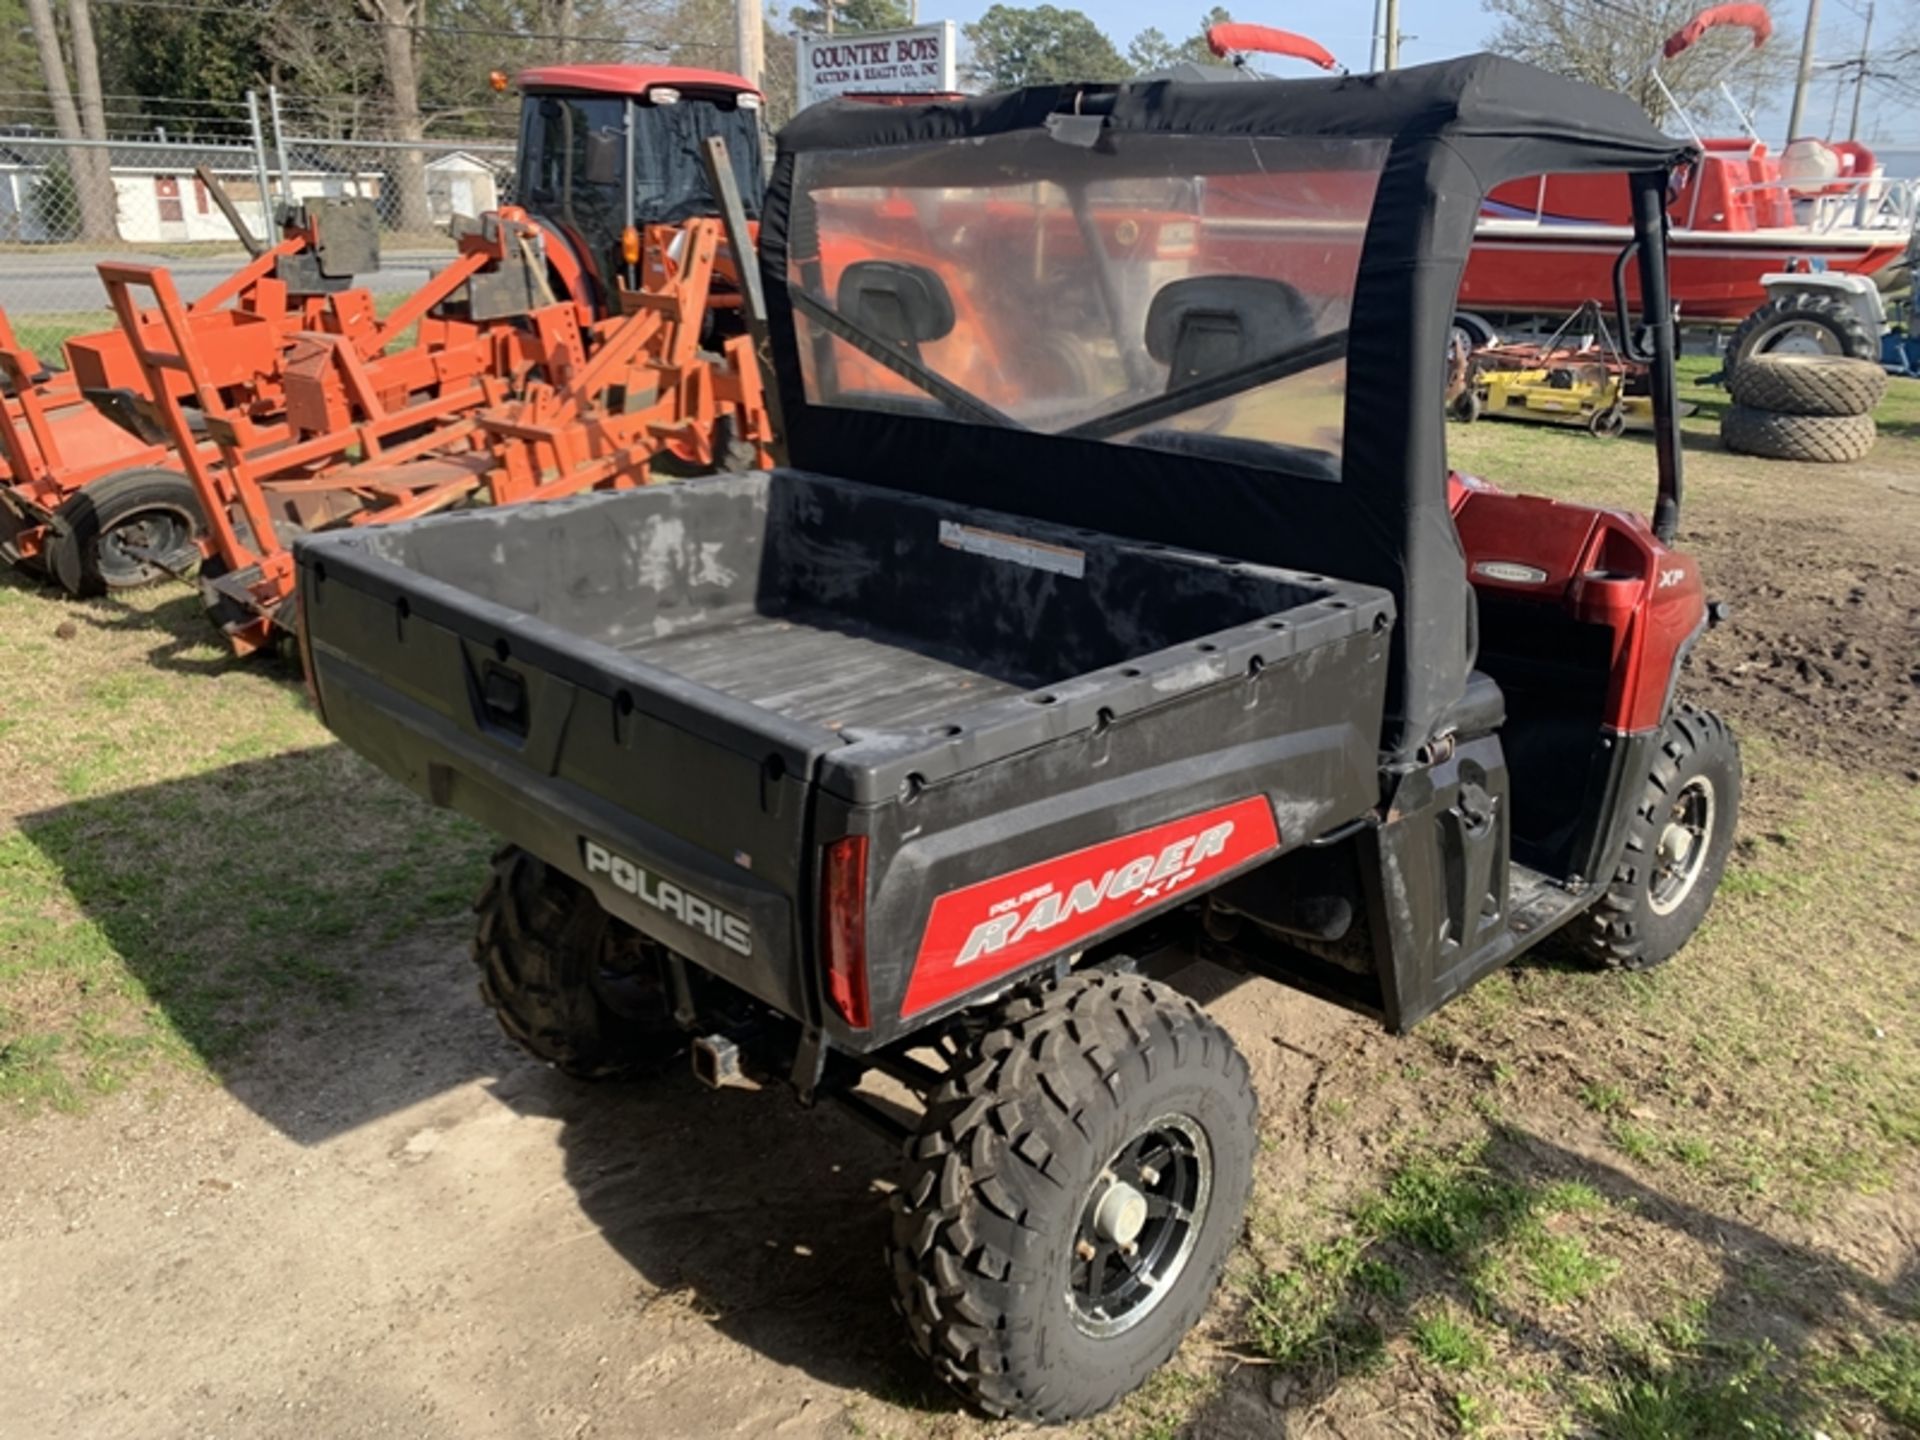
x: 1812, y: 439
x: 1088, y: 1106
x: 127, y: 530
x: 1808, y: 384
x: 1676, y: 851
x: 569, y: 984
x: 1791, y: 320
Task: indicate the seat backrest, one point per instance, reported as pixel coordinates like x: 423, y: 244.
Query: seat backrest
x: 904, y: 305
x: 1209, y: 324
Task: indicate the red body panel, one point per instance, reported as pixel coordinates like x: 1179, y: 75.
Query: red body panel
x: 1602, y: 567
x: 989, y: 929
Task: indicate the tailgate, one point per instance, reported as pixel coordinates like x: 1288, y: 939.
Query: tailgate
x: 685, y: 811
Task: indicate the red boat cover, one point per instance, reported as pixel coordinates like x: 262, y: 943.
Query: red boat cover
x: 1746, y: 17
x: 1223, y: 40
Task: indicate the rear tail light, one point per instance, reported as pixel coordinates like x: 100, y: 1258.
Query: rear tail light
x: 843, y: 928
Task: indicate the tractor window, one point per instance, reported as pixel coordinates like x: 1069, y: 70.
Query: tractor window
x: 1178, y: 292
x: 556, y: 143
x: 670, y: 172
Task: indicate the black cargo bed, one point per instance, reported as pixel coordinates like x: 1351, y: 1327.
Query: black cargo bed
x: 863, y: 636
x: 823, y: 670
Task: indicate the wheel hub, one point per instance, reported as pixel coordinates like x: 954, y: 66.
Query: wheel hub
x: 1680, y: 855
x: 1139, y: 1225
x: 1121, y: 1214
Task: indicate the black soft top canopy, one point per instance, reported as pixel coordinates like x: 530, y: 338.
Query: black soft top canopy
x: 1454, y: 131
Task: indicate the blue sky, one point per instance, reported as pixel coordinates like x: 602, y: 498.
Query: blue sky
x: 1439, y: 28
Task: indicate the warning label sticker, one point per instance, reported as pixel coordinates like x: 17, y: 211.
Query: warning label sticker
x: 998, y: 545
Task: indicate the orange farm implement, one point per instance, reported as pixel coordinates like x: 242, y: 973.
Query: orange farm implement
x: 524, y: 404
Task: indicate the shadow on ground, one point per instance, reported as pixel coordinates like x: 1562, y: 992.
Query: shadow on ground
x: 281, y: 916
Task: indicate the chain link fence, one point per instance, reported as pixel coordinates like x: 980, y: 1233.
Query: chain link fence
x: 67, y: 204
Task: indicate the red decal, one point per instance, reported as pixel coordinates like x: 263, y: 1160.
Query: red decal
x: 986, y: 930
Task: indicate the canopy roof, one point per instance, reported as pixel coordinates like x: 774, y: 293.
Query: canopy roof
x: 1453, y: 131
x: 1500, y: 104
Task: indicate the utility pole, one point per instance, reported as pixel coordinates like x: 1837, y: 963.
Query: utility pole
x: 1391, y: 37
x: 1860, y: 78
x: 1805, y: 79
x: 1373, y: 41
x: 827, y: 5
x: 749, y: 39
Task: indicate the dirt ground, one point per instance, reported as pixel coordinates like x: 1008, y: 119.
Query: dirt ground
x: 1689, y: 1205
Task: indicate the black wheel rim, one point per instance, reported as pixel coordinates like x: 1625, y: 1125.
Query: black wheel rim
x: 131, y: 550
x: 1680, y: 851
x: 1139, y: 1225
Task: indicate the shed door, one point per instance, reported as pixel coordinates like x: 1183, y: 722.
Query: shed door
x: 166, y: 189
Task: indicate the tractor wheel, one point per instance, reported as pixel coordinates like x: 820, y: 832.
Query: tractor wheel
x: 569, y: 984
x: 1808, y: 384
x: 1814, y: 439
x: 1072, y: 1196
x: 1477, y: 329
x: 1676, y: 851
x: 127, y: 530
x: 1803, y: 324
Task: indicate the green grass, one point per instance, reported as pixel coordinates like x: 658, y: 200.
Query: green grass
x: 1886, y: 1371
x: 1567, y: 463
x: 186, y: 860
x: 1449, y: 1342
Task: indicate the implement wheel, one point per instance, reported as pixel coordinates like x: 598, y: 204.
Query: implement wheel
x: 570, y: 985
x: 127, y: 530
x: 1072, y: 1196
x: 1677, y: 848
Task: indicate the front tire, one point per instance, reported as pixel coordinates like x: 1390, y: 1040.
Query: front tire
x: 1072, y: 1196
x: 570, y: 985
x: 1676, y: 849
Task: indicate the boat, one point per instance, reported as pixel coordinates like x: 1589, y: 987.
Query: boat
x: 1548, y: 244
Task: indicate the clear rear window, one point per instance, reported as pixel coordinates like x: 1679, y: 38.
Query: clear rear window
x: 1179, y: 292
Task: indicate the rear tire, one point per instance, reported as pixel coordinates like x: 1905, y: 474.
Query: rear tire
x: 1808, y: 384
x: 570, y: 985
x: 1098, y: 1113
x: 1676, y: 851
x: 1805, y: 323
x: 124, y: 531
x: 1811, y: 439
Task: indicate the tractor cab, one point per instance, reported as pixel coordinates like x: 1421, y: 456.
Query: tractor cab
x: 607, y: 150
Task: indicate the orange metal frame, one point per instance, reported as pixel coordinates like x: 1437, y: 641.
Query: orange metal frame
x: 535, y: 409
x: 53, y: 439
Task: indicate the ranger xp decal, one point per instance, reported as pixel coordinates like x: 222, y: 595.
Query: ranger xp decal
x: 1000, y: 924
x: 691, y: 910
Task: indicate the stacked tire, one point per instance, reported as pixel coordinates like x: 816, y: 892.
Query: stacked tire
x: 1816, y: 409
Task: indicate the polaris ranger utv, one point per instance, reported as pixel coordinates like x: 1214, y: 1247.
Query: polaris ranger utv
x: 1117, y: 608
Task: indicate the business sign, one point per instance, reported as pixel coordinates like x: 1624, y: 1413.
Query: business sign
x: 920, y: 61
